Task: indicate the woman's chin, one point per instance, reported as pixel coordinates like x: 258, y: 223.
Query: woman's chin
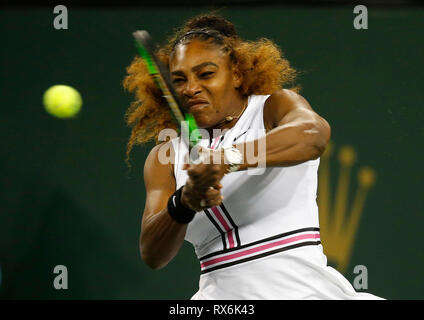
x: 203, y: 122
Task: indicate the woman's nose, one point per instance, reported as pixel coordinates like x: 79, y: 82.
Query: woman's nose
x: 191, y: 88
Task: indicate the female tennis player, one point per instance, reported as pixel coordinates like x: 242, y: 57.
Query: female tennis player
x: 255, y: 231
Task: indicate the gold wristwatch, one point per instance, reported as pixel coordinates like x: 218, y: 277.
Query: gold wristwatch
x: 233, y: 158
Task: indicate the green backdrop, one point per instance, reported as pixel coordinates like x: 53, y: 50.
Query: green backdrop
x: 67, y: 197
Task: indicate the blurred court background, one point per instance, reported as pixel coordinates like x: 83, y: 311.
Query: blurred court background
x: 67, y: 197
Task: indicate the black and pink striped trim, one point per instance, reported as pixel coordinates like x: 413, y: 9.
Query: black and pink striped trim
x: 259, y: 249
x: 223, y: 222
x: 215, y: 142
x: 220, y: 217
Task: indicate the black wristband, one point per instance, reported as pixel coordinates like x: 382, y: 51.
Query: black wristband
x: 176, y: 209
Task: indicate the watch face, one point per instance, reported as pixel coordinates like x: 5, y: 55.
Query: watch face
x: 233, y: 156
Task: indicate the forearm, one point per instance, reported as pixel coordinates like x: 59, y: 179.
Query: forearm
x: 161, y: 238
x: 284, y: 146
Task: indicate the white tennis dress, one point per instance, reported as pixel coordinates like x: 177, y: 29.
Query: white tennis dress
x: 263, y: 241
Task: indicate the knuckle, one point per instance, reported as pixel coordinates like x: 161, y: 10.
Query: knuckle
x: 212, y: 197
x: 212, y: 193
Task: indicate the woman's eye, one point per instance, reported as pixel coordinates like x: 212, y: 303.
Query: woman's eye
x: 177, y: 80
x: 205, y: 74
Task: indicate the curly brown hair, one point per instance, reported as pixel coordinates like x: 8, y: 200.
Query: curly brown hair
x: 264, y: 69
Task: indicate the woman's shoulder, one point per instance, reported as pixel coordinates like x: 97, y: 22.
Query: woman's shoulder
x: 170, y: 143
x: 277, y: 98
x: 160, y: 153
x: 159, y: 161
x: 282, y: 95
x: 279, y: 103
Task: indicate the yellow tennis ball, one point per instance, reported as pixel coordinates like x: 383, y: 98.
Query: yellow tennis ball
x: 62, y: 101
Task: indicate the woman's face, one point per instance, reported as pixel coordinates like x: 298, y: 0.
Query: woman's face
x: 203, y: 77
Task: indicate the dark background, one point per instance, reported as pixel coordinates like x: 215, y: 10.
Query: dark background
x: 67, y: 197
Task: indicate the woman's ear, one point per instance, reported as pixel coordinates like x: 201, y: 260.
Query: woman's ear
x: 237, y: 78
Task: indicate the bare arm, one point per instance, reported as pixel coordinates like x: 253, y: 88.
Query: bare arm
x: 295, y: 133
x: 161, y: 237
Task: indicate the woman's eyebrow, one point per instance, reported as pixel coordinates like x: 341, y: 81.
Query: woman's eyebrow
x: 204, y: 64
x: 195, y: 68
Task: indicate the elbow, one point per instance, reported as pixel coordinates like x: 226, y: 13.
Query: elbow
x: 320, y: 138
x: 151, y: 263
x: 324, y: 137
x: 150, y: 260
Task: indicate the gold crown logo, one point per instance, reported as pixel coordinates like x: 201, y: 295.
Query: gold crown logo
x: 338, y: 229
